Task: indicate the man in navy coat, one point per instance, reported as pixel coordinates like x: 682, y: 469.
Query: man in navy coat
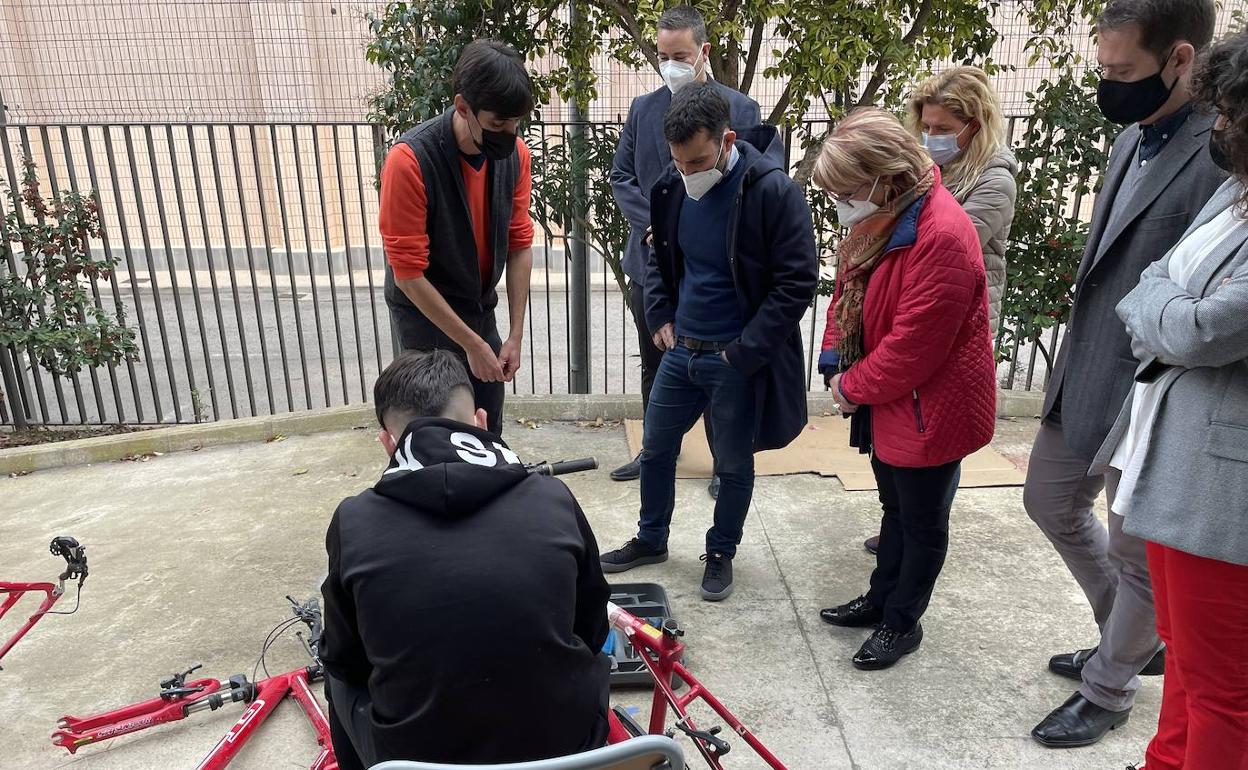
x: 641, y: 159
x: 733, y: 269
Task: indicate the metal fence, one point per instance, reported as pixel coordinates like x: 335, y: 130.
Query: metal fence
x: 252, y: 269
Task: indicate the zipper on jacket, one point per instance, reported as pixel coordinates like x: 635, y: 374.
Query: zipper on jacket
x: 918, y: 413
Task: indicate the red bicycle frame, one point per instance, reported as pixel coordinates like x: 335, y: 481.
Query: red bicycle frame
x: 15, y: 592
x: 271, y: 692
x: 661, y: 650
x: 179, y: 699
x: 262, y: 698
x: 75, y: 567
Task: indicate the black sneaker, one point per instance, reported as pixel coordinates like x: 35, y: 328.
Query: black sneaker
x: 886, y: 646
x: 717, y: 578
x: 712, y: 489
x: 629, y: 471
x: 635, y: 553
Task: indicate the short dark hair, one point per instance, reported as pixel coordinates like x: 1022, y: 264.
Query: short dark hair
x: 684, y: 17
x: 419, y: 385
x: 694, y: 107
x: 491, y: 76
x: 1163, y: 23
x: 1221, y: 83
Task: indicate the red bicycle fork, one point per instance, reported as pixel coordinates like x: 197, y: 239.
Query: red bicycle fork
x: 15, y: 592
x: 208, y: 695
x: 76, y: 732
x: 662, y: 651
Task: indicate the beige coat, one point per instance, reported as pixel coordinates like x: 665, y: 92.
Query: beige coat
x: 990, y: 204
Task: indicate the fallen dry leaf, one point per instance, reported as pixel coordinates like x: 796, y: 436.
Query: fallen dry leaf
x: 16, y: 474
x: 299, y: 471
x: 272, y: 439
x: 139, y: 458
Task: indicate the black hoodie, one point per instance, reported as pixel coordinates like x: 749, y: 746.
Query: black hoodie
x: 467, y: 596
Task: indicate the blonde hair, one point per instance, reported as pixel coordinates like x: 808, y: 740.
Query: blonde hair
x: 870, y: 143
x: 968, y: 95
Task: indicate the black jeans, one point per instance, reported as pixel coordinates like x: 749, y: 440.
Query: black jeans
x: 651, y: 356
x: 416, y: 333
x: 914, y: 538
x: 351, y: 726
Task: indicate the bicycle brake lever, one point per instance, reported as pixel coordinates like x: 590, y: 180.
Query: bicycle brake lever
x: 177, y: 680
x: 718, y: 745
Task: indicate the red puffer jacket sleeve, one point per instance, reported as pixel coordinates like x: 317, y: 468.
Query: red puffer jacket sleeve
x: 936, y: 292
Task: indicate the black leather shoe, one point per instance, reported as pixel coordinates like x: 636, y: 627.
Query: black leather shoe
x: 872, y: 545
x: 628, y: 471
x: 1070, y: 665
x: 713, y: 488
x: 1077, y: 722
x: 857, y: 614
x: 1156, y: 666
x: 887, y: 646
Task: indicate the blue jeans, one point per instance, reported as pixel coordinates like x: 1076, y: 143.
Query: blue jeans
x: 688, y: 384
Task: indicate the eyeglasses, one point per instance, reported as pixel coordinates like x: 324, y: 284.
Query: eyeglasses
x: 846, y: 198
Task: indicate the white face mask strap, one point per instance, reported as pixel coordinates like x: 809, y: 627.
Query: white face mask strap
x: 873, y: 186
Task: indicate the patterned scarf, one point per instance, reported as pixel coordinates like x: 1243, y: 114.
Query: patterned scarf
x: 859, y: 253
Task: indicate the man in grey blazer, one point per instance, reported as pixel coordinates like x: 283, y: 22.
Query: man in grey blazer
x: 1159, y: 178
x: 643, y: 156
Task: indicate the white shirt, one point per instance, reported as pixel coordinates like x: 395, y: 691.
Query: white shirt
x: 1187, y: 258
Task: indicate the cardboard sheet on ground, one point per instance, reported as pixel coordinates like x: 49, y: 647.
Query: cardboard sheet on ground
x: 824, y: 448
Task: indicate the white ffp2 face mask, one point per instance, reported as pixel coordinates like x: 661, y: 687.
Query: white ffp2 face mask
x: 700, y: 183
x: 851, y: 212
x: 678, y: 73
x: 943, y: 147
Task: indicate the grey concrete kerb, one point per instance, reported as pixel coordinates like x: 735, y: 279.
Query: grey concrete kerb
x: 188, y: 437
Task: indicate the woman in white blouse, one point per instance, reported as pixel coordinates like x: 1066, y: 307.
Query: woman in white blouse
x: 1181, y: 443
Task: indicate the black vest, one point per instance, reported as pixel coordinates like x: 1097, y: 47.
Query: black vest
x: 454, y: 269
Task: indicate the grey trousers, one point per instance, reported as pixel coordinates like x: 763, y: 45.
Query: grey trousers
x: 1110, y: 566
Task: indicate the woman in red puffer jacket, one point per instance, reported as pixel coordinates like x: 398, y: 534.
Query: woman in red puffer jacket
x: 908, y: 356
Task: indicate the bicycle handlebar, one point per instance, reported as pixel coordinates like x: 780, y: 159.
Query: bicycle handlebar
x: 562, y: 467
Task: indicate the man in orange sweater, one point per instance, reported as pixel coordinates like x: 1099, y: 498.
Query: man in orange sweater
x: 455, y: 216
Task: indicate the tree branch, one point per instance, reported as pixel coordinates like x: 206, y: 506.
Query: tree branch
x: 751, y: 59
x: 806, y: 166
x: 630, y: 23
x: 908, y: 41
x: 782, y: 105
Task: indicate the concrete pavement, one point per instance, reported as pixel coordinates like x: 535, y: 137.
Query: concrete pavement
x: 192, y: 553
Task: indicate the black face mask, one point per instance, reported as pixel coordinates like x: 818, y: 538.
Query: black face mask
x: 495, y: 145
x: 1126, y: 103
x: 1217, y: 153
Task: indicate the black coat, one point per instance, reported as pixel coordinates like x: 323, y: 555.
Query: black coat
x: 775, y: 266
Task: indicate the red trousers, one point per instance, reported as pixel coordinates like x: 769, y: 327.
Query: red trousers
x: 1202, y: 616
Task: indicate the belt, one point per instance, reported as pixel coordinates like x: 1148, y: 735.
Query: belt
x: 702, y: 345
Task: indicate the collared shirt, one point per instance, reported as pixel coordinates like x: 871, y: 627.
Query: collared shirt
x: 1154, y: 138
x: 733, y: 157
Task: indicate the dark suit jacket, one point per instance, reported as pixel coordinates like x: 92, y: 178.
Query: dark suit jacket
x: 1095, y: 368
x: 643, y: 155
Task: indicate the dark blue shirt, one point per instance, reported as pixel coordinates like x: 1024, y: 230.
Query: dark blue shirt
x: 707, y: 307
x: 1154, y: 138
